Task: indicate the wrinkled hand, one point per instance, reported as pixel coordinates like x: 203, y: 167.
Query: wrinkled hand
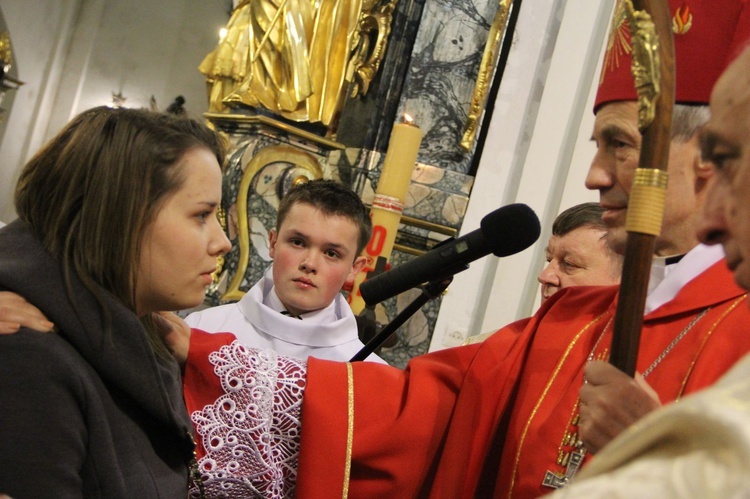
x: 15, y: 312
x: 611, y: 401
x: 176, y: 334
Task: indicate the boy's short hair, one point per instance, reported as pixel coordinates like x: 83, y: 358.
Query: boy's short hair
x: 331, y: 198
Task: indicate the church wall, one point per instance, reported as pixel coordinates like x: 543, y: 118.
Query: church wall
x: 537, y: 152
x: 74, y: 54
x: 37, y: 30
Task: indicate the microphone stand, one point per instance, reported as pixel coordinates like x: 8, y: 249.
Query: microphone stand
x: 430, y: 291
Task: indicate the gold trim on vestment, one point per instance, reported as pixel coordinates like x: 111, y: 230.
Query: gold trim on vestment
x: 568, y: 437
x: 544, y: 394
x: 349, y: 430
x: 705, y: 340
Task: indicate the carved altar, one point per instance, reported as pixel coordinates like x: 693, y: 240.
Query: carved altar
x: 432, y: 59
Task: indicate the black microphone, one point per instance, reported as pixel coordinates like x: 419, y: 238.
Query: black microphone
x: 503, y: 232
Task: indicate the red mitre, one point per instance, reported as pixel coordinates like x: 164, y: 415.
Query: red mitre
x: 708, y: 35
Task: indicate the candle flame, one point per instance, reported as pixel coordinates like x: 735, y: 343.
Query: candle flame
x: 408, y: 119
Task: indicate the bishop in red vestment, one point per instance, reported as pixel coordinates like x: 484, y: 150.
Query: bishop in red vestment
x: 501, y: 418
x: 491, y: 419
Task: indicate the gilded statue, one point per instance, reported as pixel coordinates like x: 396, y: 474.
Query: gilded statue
x: 297, y: 58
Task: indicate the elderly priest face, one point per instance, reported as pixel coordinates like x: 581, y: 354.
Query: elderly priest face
x: 706, y: 36
x: 725, y: 143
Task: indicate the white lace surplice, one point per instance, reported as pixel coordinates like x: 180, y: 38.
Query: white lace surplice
x: 251, y: 433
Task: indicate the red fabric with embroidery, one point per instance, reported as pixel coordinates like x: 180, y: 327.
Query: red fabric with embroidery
x: 708, y: 35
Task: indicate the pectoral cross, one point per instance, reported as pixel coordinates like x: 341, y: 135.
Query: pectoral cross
x: 556, y: 480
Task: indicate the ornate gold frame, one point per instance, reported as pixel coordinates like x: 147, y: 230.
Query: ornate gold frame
x: 486, y: 69
x: 272, y: 154
x: 422, y: 224
x: 243, y: 121
x: 376, y: 20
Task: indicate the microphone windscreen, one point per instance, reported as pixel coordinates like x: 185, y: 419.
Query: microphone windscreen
x: 510, y: 229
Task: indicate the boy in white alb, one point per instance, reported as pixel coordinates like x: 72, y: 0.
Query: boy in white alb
x: 297, y: 309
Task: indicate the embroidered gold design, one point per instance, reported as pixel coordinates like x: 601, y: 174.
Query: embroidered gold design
x: 573, y: 459
x: 350, y: 429
x: 682, y: 20
x: 559, y: 365
x: 618, y: 43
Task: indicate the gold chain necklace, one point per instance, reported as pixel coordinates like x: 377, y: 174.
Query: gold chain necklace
x: 573, y: 459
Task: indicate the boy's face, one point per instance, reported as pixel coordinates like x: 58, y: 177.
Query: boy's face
x: 725, y: 143
x: 314, y: 255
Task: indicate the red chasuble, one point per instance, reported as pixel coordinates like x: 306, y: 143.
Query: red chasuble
x: 494, y: 419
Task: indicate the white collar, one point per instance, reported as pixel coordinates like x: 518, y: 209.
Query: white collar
x: 321, y: 316
x: 330, y: 326
x: 667, y: 280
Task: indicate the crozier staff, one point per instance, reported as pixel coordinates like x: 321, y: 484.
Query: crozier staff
x: 653, y: 73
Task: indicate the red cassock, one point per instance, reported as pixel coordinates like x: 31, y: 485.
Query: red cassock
x: 493, y: 419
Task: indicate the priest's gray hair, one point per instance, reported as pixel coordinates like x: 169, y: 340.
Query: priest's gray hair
x: 687, y: 120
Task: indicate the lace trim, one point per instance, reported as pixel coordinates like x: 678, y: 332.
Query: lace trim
x: 251, y: 434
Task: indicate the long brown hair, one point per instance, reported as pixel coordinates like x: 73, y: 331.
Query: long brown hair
x: 91, y: 192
